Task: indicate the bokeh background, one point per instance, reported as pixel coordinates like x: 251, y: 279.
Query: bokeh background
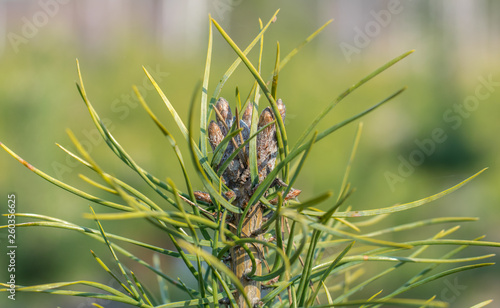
x: 453, y: 81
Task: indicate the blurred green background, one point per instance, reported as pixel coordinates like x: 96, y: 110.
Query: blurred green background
x: 453, y: 80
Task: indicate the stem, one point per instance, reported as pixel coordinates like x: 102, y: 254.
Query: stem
x: 241, y: 264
